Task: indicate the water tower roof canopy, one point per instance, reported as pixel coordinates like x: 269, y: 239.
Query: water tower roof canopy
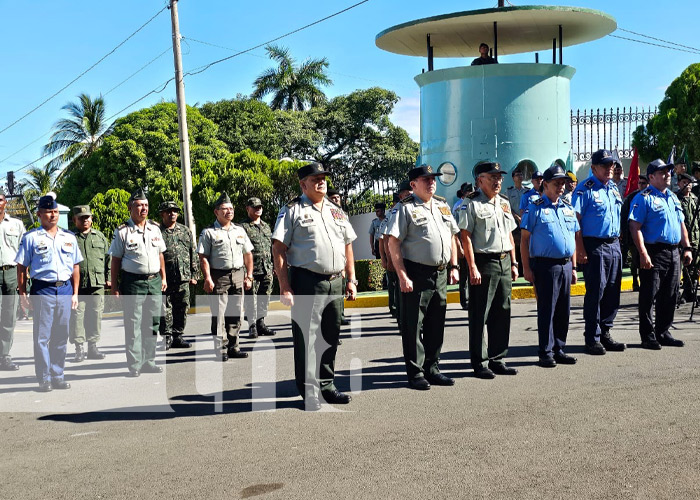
x: 526, y: 28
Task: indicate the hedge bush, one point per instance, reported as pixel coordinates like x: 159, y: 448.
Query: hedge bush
x: 370, y: 274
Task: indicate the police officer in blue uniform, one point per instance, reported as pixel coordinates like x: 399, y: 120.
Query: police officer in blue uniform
x: 533, y: 193
x: 52, y: 256
x: 548, y: 252
x: 657, y: 227
x: 598, y: 203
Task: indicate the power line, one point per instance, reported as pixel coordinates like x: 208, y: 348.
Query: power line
x: 658, y: 39
x: 655, y: 44
x: 83, y: 73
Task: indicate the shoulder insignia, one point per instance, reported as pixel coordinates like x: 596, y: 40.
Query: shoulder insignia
x: 439, y: 198
x: 294, y: 201
x: 589, y: 183
x: 473, y: 195
x: 503, y: 196
x: 538, y: 201
x: 407, y: 199
x: 646, y: 192
x: 121, y: 227
x: 565, y: 201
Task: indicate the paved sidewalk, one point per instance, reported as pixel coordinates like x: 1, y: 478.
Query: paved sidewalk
x: 624, y: 425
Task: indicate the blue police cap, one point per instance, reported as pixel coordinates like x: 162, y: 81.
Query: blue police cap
x: 657, y: 165
x: 537, y: 174
x: 601, y: 157
x: 48, y: 202
x: 554, y: 172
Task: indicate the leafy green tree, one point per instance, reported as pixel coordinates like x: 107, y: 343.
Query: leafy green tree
x: 77, y: 137
x: 39, y: 181
x: 678, y: 120
x: 109, y: 210
x: 292, y: 87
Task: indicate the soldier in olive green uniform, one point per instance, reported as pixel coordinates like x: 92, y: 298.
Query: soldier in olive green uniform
x: 137, y: 252
x: 312, y: 245
x: 423, y: 247
x: 181, y: 269
x: 11, y: 232
x: 689, y: 204
x: 487, y: 222
x: 227, y: 265
x: 95, y: 270
x: 257, y: 300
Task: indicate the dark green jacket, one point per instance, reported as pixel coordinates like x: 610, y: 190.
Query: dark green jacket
x: 96, y: 265
x: 181, y: 260
x: 260, y: 236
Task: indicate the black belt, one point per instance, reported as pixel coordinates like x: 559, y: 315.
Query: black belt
x: 8, y: 267
x: 57, y: 284
x: 142, y: 276
x: 549, y: 260
x: 496, y: 256
x: 226, y: 271
x: 322, y: 277
x: 660, y: 246
x: 600, y: 240
x: 441, y: 267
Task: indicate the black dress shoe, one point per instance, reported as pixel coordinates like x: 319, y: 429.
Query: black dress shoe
x: 60, y: 385
x: 151, y: 369
x: 652, y: 345
x: 223, y: 356
x: 180, y: 343
x: 483, y: 372
x: 312, y: 404
x: 564, y: 359
x: 419, y: 384
x: 236, y: 353
x: 439, y: 379
x: 611, y: 344
x: 79, y: 354
x: 502, y: 369
x: 93, y: 352
x: 262, y: 328
x: 547, y: 363
x: 45, y: 387
x: 340, y: 342
x: 6, y: 365
x: 167, y: 341
x: 595, y: 349
x: 133, y: 373
x: 252, y: 331
x: 336, y: 397
x: 669, y: 341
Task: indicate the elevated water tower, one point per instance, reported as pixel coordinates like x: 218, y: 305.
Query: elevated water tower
x: 516, y: 114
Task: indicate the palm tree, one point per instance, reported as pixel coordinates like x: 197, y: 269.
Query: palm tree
x: 293, y: 87
x: 78, y: 136
x: 39, y: 181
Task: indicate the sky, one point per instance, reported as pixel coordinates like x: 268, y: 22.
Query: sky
x: 48, y: 43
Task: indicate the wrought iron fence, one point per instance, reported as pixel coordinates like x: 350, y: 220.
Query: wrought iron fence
x: 610, y: 129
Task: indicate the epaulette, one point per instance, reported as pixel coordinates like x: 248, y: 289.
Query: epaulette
x: 473, y: 195
x: 150, y: 221
x: 504, y: 197
x: 439, y: 198
x: 294, y: 201
x: 589, y: 183
x: 566, y: 202
x: 646, y: 192
x: 407, y: 199
x: 538, y: 201
x: 121, y: 227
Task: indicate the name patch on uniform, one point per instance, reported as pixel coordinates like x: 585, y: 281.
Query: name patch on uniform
x: 306, y: 220
x: 568, y: 212
x: 418, y: 218
x: 132, y: 245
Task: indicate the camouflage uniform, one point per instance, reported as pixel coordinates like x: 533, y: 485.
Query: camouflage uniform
x: 689, y: 204
x: 258, y: 297
x: 181, y: 265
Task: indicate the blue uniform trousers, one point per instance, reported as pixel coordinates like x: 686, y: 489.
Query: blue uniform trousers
x: 603, y: 277
x: 52, y: 310
x: 553, y: 285
x: 658, y: 288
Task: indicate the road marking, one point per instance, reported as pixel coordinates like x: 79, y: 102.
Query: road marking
x: 80, y: 434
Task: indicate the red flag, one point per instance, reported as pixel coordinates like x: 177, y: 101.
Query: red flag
x: 633, y: 177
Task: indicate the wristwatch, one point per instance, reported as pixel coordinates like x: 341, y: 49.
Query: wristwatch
x: 453, y: 266
x: 354, y: 282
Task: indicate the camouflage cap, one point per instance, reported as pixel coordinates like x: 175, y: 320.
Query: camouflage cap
x: 139, y: 194
x: 168, y: 205
x: 253, y: 202
x: 81, y: 211
x: 221, y: 200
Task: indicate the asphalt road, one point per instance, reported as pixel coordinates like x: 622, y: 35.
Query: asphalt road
x: 624, y: 425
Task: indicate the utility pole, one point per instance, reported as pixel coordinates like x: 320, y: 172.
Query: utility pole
x: 182, y: 122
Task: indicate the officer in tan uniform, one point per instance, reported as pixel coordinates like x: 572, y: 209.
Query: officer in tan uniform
x: 225, y: 255
x: 312, y: 245
x: 423, y: 248
x: 137, y: 251
x: 487, y: 222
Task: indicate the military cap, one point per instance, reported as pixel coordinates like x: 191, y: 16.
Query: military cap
x: 221, y: 200
x: 313, y: 168
x: 467, y: 188
x: 405, y: 186
x: 687, y: 177
x: 537, y: 174
x: 696, y: 166
x: 380, y: 205
x: 657, y: 165
x: 139, y: 194
x: 554, y: 172
x: 168, y: 205
x: 81, y: 211
x: 48, y: 202
x: 422, y: 171
x: 572, y: 176
x: 332, y: 192
x: 395, y: 198
x: 489, y: 167
x: 253, y: 202
x: 642, y: 176
x: 516, y: 171
x: 602, y: 156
